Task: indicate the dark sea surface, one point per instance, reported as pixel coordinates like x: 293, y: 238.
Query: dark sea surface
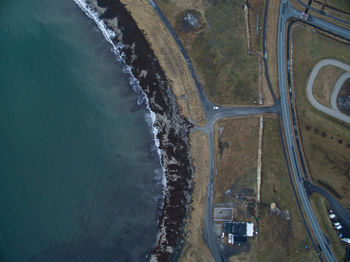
x: 78, y: 179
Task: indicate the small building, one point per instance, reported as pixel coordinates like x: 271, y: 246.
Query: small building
x: 250, y: 229
x: 228, y: 227
x: 240, y: 238
x: 238, y: 231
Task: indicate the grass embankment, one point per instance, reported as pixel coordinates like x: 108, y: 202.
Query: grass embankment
x: 170, y: 59
x: 219, y: 51
x: 325, y: 82
x: 271, y: 43
x: 195, y: 248
x: 326, y: 140
x: 236, y: 145
x: 343, y: 5
x: 289, y: 237
x: 319, y: 205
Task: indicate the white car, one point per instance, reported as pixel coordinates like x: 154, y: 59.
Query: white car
x: 215, y: 107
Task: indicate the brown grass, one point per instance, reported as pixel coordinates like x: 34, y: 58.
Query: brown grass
x: 195, y: 248
x: 275, y: 232
x: 271, y: 43
x: 287, y: 236
x: 340, y: 4
x: 170, y: 59
x: 219, y: 52
x: 319, y: 205
x: 325, y: 139
x: 343, y: 5
x: 324, y: 84
x: 256, y: 16
x: 236, y: 157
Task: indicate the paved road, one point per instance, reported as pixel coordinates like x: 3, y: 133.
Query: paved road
x: 324, y: 13
x: 287, y: 12
x: 212, y: 115
x: 338, y: 209
x: 330, y: 111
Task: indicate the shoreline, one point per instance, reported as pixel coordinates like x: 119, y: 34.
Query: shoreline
x: 171, y: 129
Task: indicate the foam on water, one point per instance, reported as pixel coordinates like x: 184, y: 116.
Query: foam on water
x: 120, y: 56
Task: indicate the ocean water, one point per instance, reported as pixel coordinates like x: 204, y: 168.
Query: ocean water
x: 78, y: 178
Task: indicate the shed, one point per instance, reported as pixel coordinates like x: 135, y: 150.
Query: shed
x: 239, y: 229
x: 228, y: 227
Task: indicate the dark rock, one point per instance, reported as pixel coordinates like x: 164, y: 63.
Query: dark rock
x: 173, y: 128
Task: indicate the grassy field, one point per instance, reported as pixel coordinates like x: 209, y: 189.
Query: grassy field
x: 326, y: 141
x: 324, y: 83
x: 285, y: 233
x: 289, y: 237
x: 236, y: 145
x: 219, y: 51
x: 169, y: 57
x: 319, y: 205
x: 195, y: 248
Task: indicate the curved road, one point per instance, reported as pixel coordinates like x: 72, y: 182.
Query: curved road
x: 287, y: 12
x: 330, y: 111
x: 212, y: 115
x: 340, y: 211
x: 324, y: 13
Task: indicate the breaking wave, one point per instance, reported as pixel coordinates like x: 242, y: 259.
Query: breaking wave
x: 135, y: 84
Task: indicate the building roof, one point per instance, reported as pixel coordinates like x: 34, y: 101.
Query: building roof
x: 228, y: 227
x: 240, y: 238
x: 250, y: 229
x: 239, y: 229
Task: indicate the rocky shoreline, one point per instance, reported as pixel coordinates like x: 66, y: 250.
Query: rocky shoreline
x: 172, y: 127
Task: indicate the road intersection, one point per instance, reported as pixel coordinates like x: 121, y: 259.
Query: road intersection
x: 287, y: 12
x: 214, y: 113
